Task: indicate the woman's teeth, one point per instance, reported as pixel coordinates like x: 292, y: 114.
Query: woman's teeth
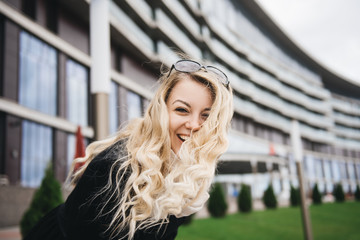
x: 183, y: 137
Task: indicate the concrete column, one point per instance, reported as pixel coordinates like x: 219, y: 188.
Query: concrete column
x: 100, y: 65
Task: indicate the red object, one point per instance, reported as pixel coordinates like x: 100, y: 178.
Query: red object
x: 272, y: 150
x: 79, y: 148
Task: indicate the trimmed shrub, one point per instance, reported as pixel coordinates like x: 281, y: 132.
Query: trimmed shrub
x: 357, y: 193
x: 188, y: 219
x: 217, y: 205
x: 316, y: 195
x: 269, y: 198
x: 47, y: 197
x: 294, y: 196
x: 339, y: 193
x: 244, y: 199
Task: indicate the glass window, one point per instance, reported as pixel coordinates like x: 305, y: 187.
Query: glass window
x: 134, y: 105
x: 351, y: 170
x: 114, y: 108
x: 37, y: 74
x: 71, y: 145
x: 358, y: 171
x: 292, y: 165
x: 36, y: 152
x: 327, y: 170
x: 343, y: 171
x: 336, y: 170
x: 310, y: 166
x: 77, y: 93
x: 318, y: 168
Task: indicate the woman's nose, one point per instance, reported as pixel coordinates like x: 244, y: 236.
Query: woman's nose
x: 193, y: 124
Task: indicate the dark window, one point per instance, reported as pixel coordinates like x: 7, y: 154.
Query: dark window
x: 52, y: 15
x: 29, y: 8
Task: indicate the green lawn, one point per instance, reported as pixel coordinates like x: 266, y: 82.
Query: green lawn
x: 337, y: 221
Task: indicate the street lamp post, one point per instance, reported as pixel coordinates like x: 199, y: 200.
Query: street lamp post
x: 298, y: 156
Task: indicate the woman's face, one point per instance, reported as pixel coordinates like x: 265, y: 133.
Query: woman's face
x: 189, y: 105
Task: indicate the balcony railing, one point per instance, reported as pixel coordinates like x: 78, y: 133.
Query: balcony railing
x: 143, y: 10
x: 129, y: 29
x: 183, y: 15
x: 165, y: 24
x: 345, y: 106
x: 228, y: 56
x: 347, y: 120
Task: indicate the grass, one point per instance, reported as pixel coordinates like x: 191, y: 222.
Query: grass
x: 338, y: 221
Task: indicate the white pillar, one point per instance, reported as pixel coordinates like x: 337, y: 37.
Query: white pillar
x: 100, y: 65
x: 100, y: 46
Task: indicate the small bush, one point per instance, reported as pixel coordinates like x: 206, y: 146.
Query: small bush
x: 294, y: 196
x: 217, y: 205
x: 269, y: 198
x: 316, y: 195
x: 339, y: 193
x: 244, y: 200
x: 188, y: 219
x: 47, y: 197
x: 357, y: 193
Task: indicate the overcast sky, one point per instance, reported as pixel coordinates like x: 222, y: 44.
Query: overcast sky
x: 327, y: 30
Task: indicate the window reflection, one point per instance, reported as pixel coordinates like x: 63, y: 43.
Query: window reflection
x: 36, y: 152
x: 351, y: 170
x: 77, y: 93
x: 310, y: 166
x: 37, y: 74
x: 336, y: 171
x: 134, y: 105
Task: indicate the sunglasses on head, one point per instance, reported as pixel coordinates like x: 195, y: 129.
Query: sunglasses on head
x: 190, y: 66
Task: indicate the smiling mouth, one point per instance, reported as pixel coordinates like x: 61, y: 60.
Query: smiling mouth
x: 183, y: 138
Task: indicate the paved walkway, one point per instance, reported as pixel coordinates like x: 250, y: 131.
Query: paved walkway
x: 10, y: 233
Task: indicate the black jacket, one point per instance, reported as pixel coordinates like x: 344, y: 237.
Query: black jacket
x: 78, y: 218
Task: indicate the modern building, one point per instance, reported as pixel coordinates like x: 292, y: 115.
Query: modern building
x: 95, y: 64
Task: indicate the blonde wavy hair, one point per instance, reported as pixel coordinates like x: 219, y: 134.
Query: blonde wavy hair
x: 157, y: 187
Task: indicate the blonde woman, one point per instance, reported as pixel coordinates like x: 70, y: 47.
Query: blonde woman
x: 141, y: 183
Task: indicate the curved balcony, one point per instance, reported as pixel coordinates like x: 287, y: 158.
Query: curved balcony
x: 123, y: 24
x: 347, y: 120
x: 231, y: 58
x: 143, y: 10
x: 177, y: 36
x: 347, y: 132
x: 345, y: 106
x: 184, y: 17
x: 226, y: 35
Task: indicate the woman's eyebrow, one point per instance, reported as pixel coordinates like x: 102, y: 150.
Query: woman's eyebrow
x: 183, y: 102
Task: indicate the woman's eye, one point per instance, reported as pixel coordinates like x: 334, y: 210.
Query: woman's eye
x: 182, y: 110
x: 205, y: 115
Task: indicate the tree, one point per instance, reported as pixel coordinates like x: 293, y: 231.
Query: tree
x: 357, y: 193
x: 217, y: 205
x: 245, y: 199
x: 269, y: 198
x: 339, y: 193
x: 294, y: 196
x: 47, y: 197
x: 316, y: 195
